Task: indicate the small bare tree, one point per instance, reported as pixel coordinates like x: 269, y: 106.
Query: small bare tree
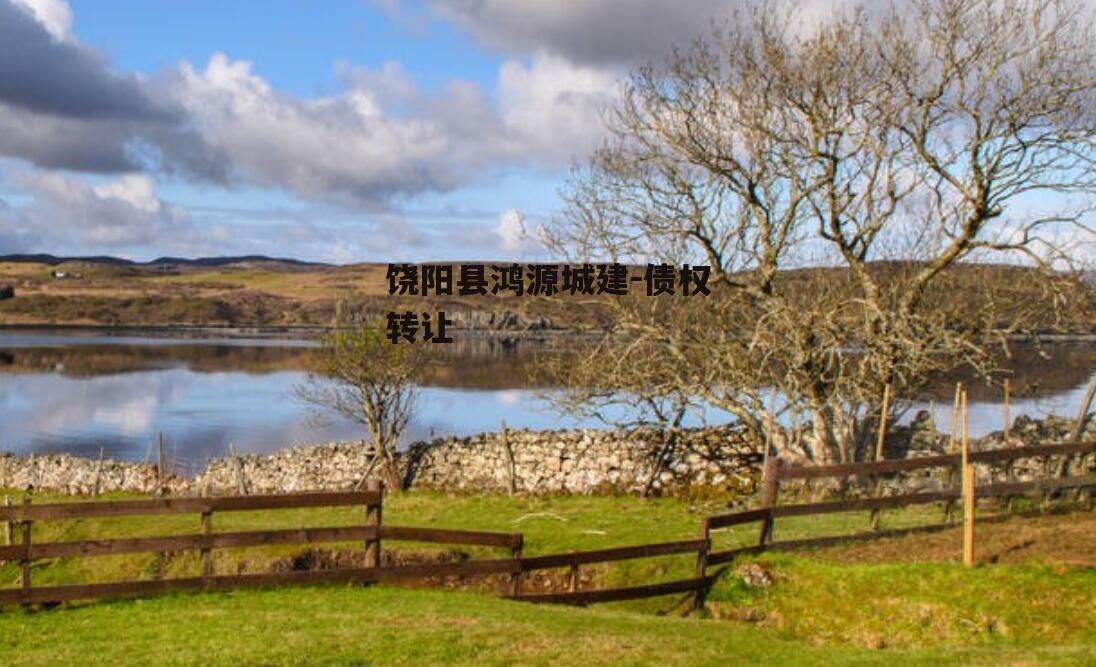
x: 360, y: 375
x: 836, y: 179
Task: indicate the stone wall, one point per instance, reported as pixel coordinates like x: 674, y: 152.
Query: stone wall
x: 717, y: 461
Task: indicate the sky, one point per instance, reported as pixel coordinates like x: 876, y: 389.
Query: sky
x: 342, y: 131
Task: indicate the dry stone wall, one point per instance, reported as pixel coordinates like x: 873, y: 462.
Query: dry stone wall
x: 719, y: 461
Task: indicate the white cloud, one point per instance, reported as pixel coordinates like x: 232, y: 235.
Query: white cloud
x: 555, y: 105
x: 67, y: 211
x: 54, y: 15
x: 512, y: 233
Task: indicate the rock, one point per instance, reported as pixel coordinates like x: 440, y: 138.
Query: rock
x: 754, y: 575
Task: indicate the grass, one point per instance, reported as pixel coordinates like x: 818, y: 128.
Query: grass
x: 347, y: 626
x: 818, y: 610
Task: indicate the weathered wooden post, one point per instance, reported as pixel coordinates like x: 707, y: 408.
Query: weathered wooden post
x: 517, y: 575
x: 968, y: 494
x: 373, y: 521
x: 953, y: 446
x: 8, y: 524
x: 1078, y: 426
x: 770, y: 474
x: 702, y: 564
x: 160, y: 464
x: 24, y: 559
x: 511, y: 469
x: 1008, y: 428
x: 98, y: 473
x: 207, y: 542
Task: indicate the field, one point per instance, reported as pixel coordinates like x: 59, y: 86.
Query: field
x: 902, y: 600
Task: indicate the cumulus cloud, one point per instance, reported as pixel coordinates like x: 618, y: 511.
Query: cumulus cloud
x: 67, y: 212
x: 555, y: 105
x: 54, y: 15
x: 42, y: 73
x: 382, y: 136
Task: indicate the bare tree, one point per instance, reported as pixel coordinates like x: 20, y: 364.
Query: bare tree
x: 360, y: 375
x: 836, y: 178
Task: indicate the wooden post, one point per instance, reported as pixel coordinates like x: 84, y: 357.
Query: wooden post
x: 1078, y: 425
x: 207, y: 552
x: 702, y: 563
x: 770, y: 475
x: 373, y: 520
x: 953, y: 442
x: 8, y: 525
x: 968, y: 495
x: 1008, y: 428
x: 879, y: 445
x: 572, y: 576
x: 241, y: 480
x: 24, y: 560
x: 160, y: 464
x: 511, y: 471
x: 98, y: 473
x: 516, y: 576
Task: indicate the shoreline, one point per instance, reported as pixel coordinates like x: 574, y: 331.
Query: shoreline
x: 307, y: 332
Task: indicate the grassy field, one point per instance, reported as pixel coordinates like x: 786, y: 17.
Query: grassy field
x: 851, y: 604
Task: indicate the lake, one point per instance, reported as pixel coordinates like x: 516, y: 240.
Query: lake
x: 77, y: 391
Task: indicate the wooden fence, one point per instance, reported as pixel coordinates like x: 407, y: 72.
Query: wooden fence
x: 775, y: 471
x: 371, y: 533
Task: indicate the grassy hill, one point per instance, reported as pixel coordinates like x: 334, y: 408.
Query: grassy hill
x: 265, y: 292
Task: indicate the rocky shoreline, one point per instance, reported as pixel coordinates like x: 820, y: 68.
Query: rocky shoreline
x: 720, y: 461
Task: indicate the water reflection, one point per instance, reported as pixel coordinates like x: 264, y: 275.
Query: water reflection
x: 77, y: 393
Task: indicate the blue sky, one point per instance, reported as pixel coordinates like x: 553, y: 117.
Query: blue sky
x: 347, y: 130
x: 341, y: 131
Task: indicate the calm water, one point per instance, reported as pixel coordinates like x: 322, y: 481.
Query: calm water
x: 77, y: 392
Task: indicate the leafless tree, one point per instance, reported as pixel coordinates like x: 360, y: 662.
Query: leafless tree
x: 837, y: 178
x: 362, y: 376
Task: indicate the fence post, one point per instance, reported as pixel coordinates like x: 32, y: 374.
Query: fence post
x: 24, y: 560
x: 952, y: 446
x: 702, y: 564
x: 7, y: 524
x: 160, y: 464
x: 770, y: 479
x: 207, y: 551
x: 511, y: 468
x: 98, y: 473
x: 968, y: 495
x: 373, y: 520
x: 516, y: 576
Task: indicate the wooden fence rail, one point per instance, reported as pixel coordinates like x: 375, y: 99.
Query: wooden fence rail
x: 370, y: 533
x: 775, y: 472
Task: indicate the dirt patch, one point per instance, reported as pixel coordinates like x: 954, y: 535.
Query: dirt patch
x: 1067, y: 539
x: 541, y: 581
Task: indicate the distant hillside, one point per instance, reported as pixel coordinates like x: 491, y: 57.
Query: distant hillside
x: 54, y: 260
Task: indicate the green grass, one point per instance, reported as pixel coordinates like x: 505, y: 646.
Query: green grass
x: 347, y: 626
x: 816, y: 611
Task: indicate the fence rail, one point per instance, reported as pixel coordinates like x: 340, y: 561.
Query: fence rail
x: 371, y: 533
x: 775, y: 472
